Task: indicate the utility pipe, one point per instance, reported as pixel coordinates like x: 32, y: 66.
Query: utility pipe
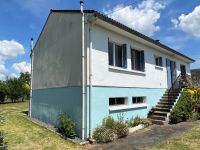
x: 31, y: 87
x: 90, y: 81
x: 83, y: 70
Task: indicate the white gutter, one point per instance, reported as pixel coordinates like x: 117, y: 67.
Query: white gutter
x: 83, y: 71
x: 31, y: 87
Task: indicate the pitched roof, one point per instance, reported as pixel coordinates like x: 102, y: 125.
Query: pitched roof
x: 130, y: 30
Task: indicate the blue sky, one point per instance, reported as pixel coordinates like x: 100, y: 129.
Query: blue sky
x: 175, y: 23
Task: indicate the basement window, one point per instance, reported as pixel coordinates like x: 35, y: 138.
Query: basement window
x: 138, y: 100
x: 117, y: 101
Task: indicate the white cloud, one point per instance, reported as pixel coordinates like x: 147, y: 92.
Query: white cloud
x: 142, y: 18
x: 8, y: 50
x: 189, y: 23
x: 22, y: 67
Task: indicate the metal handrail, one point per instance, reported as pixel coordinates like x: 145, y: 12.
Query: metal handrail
x: 180, y: 82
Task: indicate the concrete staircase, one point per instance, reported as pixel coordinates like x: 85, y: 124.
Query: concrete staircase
x: 160, y: 113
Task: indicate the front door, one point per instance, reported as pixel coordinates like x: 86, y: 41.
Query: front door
x: 183, y: 70
x: 171, y: 72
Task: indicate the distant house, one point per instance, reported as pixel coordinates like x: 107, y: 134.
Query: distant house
x: 120, y: 71
x: 196, y: 76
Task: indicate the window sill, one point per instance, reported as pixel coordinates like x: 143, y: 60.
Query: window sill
x: 123, y: 107
x: 159, y: 67
x: 126, y: 70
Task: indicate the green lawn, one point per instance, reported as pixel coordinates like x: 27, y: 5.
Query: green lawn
x: 21, y: 133
x: 187, y: 141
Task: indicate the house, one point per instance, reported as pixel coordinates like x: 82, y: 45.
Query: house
x: 90, y: 66
x: 195, y: 73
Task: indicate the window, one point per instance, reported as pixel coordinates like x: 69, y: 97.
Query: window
x: 137, y: 60
x: 117, y: 101
x: 138, y: 100
x: 117, y: 55
x: 158, y: 61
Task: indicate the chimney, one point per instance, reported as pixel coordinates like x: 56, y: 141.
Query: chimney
x: 81, y: 5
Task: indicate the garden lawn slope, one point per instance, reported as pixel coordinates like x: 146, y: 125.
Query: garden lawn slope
x: 188, y: 141
x: 21, y: 133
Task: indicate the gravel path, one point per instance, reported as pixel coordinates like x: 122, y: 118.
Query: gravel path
x: 148, y: 137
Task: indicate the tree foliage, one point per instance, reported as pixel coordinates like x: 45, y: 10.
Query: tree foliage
x: 15, y: 88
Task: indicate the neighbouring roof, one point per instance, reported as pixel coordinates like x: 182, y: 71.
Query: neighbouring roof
x: 123, y: 27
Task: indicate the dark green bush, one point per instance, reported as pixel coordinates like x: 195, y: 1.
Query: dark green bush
x: 2, y: 96
x: 103, y: 135
x: 3, y: 144
x: 184, y: 108
x: 66, y: 126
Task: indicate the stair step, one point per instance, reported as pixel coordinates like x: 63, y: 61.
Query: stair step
x: 158, y: 122
x: 155, y: 117
x: 160, y: 113
x: 166, y: 103
x: 162, y: 109
x: 164, y: 106
x: 173, y: 97
x: 168, y: 100
x: 171, y: 94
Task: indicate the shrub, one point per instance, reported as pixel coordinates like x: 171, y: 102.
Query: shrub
x: 134, y: 121
x: 137, y: 121
x: 109, y: 122
x: 103, y: 135
x: 2, y: 96
x: 66, y: 126
x: 121, y: 129
x: 185, y: 107
x: 3, y: 144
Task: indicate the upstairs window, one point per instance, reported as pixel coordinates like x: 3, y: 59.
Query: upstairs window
x: 137, y: 60
x: 158, y: 61
x: 117, y: 55
x: 117, y: 101
x: 138, y: 100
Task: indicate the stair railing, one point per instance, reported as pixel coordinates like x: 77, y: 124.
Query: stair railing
x: 181, y: 81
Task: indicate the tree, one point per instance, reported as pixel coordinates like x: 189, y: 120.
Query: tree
x: 25, y: 78
x: 3, y: 91
x: 14, y: 89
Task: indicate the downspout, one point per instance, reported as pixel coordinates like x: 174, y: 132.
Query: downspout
x: 31, y: 87
x: 83, y: 71
x: 90, y: 82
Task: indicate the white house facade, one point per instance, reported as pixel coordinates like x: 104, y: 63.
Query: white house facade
x: 125, y: 72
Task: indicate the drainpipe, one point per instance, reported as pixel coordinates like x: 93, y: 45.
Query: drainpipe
x: 90, y: 82
x: 31, y: 87
x: 83, y: 71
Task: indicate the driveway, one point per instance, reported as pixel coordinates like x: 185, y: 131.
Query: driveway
x: 148, y: 137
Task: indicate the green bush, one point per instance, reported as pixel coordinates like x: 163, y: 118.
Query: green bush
x: 3, y: 144
x: 103, y: 135
x: 109, y: 123
x: 2, y: 96
x: 66, y: 126
x: 121, y: 129
x: 134, y: 121
x: 117, y: 129
x: 184, y: 108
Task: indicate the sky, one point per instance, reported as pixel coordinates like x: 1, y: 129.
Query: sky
x: 175, y: 23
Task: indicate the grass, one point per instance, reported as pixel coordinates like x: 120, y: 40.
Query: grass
x: 22, y: 134
x: 188, y: 141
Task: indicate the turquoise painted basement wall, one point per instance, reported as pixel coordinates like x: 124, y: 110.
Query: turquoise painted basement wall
x: 100, y: 102
x: 47, y: 104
